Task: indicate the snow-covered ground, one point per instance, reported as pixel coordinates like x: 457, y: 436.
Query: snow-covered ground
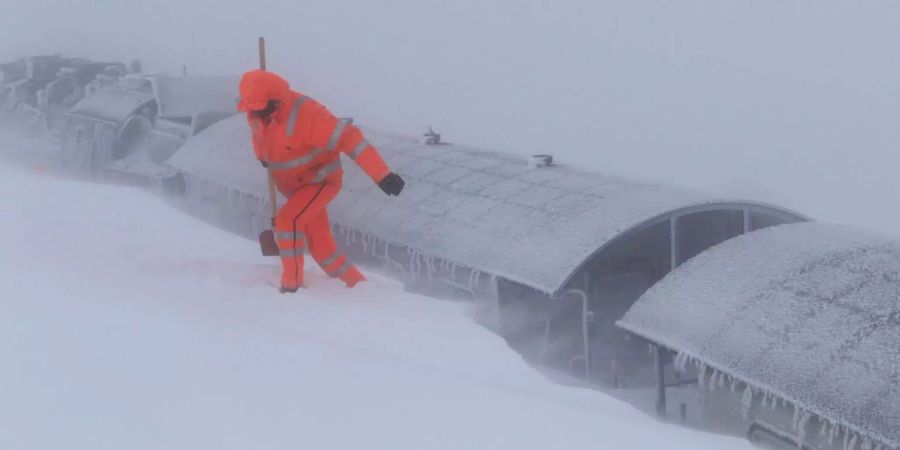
x: 125, y: 324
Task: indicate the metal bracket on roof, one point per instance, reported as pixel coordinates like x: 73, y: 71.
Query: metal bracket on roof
x: 432, y: 138
x: 538, y: 161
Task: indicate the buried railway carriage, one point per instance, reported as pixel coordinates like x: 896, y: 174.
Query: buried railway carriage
x: 793, y: 332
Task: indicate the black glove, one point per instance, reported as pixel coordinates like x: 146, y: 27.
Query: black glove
x: 392, y: 184
x: 264, y: 164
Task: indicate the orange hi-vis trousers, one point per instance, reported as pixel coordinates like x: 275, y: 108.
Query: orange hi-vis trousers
x: 303, y: 222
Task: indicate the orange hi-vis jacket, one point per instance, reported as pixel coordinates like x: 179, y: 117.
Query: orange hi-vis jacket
x: 302, y: 141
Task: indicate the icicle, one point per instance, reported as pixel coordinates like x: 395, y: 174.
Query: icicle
x: 678, y: 363
x: 418, y: 270
x: 853, y: 440
x: 430, y: 264
x: 701, y: 378
x: 747, y: 401
x: 721, y: 381
x: 734, y: 385
x: 716, y: 382
x: 414, y: 262
x: 373, y: 245
x: 832, y: 432
x: 802, y: 425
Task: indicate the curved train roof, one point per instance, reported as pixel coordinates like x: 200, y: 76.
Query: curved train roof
x: 810, y: 312
x: 483, y: 209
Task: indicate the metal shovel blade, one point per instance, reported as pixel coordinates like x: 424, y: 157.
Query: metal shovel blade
x: 267, y: 244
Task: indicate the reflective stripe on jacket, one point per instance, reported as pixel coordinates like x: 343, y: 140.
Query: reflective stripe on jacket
x: 302, y: 143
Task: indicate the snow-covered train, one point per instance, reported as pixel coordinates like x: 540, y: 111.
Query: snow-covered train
x: 732, y: 315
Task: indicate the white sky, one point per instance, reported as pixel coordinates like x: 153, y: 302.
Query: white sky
x: 794, y: 102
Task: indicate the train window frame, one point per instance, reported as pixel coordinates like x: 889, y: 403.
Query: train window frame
x: 777, y: 440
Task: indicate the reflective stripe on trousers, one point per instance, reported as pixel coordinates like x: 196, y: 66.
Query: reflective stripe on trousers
x: 291, y: 252
x: 289, y: 236
x: 341, y: 270
x: 330, y: 260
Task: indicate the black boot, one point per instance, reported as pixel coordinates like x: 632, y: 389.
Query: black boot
x: 285, y: 290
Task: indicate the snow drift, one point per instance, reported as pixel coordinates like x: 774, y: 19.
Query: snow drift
x: 126, y: 324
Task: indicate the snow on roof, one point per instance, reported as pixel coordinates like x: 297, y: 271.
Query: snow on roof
x: 223, y: 153
x: 482, y: 209
x: 809, y: 312
x: 185, y: 95
x: 494, y: 212
x: 111, y: 104
x: 148, y: 155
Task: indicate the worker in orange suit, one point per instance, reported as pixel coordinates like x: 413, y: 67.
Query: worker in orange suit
x: 300, y: 141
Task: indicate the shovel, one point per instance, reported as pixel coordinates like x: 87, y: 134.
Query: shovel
x: 267, y: 244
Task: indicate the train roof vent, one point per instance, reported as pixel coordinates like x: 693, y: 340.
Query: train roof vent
x: 538, y: 161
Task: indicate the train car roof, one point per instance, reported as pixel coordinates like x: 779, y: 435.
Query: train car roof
x: 808, y: 312
x: 487, y: 210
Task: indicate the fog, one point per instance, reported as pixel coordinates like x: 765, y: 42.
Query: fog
x: 791, y: 102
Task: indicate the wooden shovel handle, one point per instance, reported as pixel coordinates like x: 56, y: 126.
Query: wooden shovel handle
x: 272, y: 195
x: 262, y: 53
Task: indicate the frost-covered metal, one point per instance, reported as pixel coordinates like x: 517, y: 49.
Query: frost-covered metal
x: 805, y: 312
x: 480, y: 209
x: 129, y: 126
x: 185, y: 96
x: 113, y: 105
